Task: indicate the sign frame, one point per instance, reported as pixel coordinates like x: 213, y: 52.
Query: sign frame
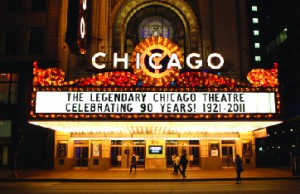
x: 154, y: 116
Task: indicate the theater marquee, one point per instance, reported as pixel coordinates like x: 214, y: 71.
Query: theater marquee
x: 155, y: 102
x: 155, y: 88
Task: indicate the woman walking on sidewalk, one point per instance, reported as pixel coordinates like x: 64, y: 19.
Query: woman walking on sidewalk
x: 177, y: 164
x: 174, y: 164
x: 239, y: 168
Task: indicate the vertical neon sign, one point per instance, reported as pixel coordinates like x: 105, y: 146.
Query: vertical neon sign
x: 81, y: 33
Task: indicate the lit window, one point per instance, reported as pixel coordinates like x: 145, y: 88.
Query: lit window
x: 256, y: 32
x: 254, y: 8
x: 283, y: 35
x: 255, y: 20
x: 257, y: 58
x: 155, y: 26
x: 257, y: 45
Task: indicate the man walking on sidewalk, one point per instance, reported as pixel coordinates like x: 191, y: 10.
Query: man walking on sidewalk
x: 239, y: 168
x: 183, y: 163
x: 133, y: 163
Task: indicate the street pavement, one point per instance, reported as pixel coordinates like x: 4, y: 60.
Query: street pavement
x: 122, y: 174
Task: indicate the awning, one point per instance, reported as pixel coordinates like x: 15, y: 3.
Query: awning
x: 154, y: 127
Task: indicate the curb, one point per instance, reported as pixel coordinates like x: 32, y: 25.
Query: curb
x: 13, y: 179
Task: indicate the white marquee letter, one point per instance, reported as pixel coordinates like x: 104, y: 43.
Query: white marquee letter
x: 124, y: 60
x: 176, y: 62
x: 154, y: 66
x: 82, y: 28
x: 137, y: 60
x: 217, y: 56
x: 198, y: 62
x: 100, y: 54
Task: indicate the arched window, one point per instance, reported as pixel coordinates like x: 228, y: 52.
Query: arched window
x: 155, y: 26
x: 154, y: 21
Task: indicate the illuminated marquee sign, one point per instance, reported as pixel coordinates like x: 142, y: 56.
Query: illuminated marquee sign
x: 155, y: 102
x: 81, y: 37
x: 155, y: 89
x: 76, y: 33
x: 154, y: 59
x: 158, y: 60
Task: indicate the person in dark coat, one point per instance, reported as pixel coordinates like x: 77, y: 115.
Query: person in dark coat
x: 133, y: 163
x: 183, y: 163
x: 239, y: 168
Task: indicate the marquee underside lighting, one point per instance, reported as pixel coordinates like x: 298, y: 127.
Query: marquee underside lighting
x: 163, y: 128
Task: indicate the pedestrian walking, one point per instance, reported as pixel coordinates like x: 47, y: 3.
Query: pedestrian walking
x: 239, y: 168
x: 183, y: 163
x: 133, y: 163
x: 177, y: 164
x: 174, y: 165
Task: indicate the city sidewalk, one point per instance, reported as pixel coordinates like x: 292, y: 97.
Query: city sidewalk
x: 144, y: 175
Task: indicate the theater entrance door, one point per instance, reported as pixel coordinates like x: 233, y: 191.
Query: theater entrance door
x: 81, y: 156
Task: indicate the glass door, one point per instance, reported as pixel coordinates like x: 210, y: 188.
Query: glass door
x: 81, y: 156
x: 140, y: 155
x: 170, y: 151
x: 116, y: 156
x: 194, y: 154
x: 228, y: 153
